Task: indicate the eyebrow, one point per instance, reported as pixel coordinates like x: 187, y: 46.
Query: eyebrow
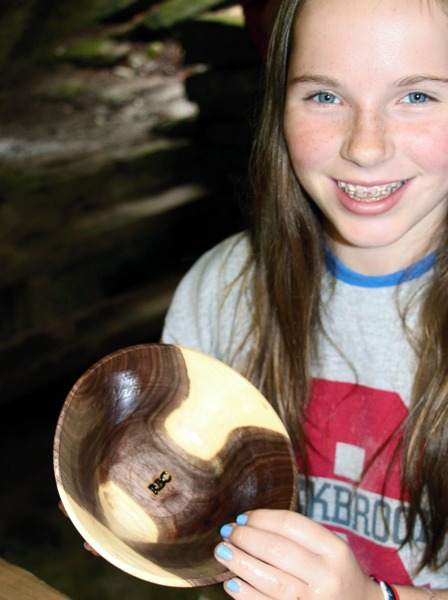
x: 417, y: 79
x: 319, y: 79
x: 333, y: 83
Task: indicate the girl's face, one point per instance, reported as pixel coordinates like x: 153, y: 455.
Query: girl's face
x: 366, y: 125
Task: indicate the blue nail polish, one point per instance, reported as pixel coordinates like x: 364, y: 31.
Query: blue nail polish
x: 232, y: 585
x: 225, y: 531
x: 224, y: 552
x: 241, y: 519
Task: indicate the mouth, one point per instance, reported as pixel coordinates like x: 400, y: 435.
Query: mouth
x: 373, y: 193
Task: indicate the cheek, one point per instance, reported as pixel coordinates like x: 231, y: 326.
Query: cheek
x: 310, y: 145
x: 429, y: 150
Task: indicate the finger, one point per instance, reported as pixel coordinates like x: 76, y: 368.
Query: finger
x: 277, y: 551
x: 86, y: 545
x: 240, y: 590
x: 295, y: 527
x: 260, y: 577
x: 325, y: 561
x: 62, y: 508
x: 89, y: 548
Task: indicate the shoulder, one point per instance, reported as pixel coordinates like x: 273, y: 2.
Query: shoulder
x: 216, y: 268
x: 223, y: 261
x: 208, y: 297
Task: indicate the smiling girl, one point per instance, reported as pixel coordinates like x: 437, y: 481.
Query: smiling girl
x: 335, y: 304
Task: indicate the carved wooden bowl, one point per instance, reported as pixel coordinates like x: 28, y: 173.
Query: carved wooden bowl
x: 156, y: 447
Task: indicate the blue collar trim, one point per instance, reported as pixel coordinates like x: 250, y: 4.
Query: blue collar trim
x: 343, y: 273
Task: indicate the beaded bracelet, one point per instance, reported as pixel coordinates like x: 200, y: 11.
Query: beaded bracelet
x: 433, y: 595
x: 389, y: 592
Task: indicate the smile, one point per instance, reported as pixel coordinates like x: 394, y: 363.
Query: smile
x: 369, y: 194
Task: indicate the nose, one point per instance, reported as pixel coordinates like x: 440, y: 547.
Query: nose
x: 367, y: 142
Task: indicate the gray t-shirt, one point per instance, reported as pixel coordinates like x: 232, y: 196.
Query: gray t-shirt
x: 361, y: 390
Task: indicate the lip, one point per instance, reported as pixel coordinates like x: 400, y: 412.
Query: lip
x: 373, y: 207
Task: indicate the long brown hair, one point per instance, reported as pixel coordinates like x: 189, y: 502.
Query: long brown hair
x: 287, y: 242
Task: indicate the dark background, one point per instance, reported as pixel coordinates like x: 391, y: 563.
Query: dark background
x: 125, y: 134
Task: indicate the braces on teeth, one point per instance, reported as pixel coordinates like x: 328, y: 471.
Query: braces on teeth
x: 369, y: 194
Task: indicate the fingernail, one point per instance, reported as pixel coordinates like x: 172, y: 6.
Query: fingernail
x: 224, y: 552
x: 232, y: 585
x: 225, y: 531
x: 241, y: 519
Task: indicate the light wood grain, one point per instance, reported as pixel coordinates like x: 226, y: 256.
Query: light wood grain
x: 156, y: 447
x: 18, y: 584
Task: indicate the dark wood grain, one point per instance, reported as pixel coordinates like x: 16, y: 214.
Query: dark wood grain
x: 114, y: 440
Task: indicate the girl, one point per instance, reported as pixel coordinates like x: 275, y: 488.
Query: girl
x: 336, y: 303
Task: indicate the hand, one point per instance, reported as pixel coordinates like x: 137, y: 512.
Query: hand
x: 86, y: 545
x: 282, y: 555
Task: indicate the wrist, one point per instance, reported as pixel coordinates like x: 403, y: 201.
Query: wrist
x: 387, y: 589
x: 432, y: 595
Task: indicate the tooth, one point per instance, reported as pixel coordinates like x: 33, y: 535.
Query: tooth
x: 369, y: 194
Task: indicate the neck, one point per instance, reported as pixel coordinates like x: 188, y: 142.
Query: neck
x: 376, y: 262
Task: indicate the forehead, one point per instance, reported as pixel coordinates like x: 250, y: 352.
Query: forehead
x: 371, y: 33
x: 394, y: 5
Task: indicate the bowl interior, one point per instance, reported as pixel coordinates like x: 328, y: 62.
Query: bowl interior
x: 156, y: 447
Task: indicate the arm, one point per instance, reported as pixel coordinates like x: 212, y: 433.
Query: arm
x: 412, y: 593
x: 207, y: 308
x: 286, y: 556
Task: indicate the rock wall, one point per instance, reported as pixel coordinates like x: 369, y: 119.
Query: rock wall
x: 121, y: 161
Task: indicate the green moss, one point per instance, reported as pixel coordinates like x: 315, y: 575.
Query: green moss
x: 105, y: 9
x: 172, y: 12
x: 154, y: 49
x: 65, y: 90
x: 12, y: 27
x: 232, y: 17
x: 93, y: 52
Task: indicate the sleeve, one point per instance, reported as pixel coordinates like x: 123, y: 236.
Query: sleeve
x: 207, y: 302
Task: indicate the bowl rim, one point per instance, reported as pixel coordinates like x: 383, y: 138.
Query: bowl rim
x: 160, y: 575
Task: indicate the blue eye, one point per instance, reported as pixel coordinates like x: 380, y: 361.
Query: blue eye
x: 416, y: 98
x: 325, y: 98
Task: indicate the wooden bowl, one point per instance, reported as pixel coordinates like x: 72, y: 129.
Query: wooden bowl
x: 156, y: 447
